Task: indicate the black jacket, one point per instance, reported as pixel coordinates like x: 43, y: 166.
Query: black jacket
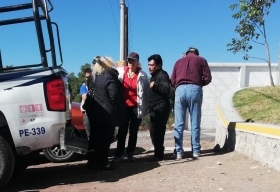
x: 161, y: 89
x: 107, y: 100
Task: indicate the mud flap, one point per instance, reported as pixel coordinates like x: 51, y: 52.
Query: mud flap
x: 69, y: 141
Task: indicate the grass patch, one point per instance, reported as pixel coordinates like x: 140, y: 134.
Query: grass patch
x: 262, y: 104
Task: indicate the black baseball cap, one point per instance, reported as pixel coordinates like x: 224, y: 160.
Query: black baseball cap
x: 133, y: 56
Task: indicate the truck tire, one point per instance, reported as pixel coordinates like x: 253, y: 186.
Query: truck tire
x: 58, y: 155
x: 7, y: 162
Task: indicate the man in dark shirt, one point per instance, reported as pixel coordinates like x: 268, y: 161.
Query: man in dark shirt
x: 158, y: 97
x: 189, y: 75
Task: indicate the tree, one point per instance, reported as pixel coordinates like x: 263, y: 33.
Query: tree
x: 172, y: 96
x: 251, y: 15
x: 9, y: 68
x: 75, y: 89
x: 76, y: 82
x: 81, y: 74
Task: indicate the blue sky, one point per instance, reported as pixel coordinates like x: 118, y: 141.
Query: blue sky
x: 92, y: 27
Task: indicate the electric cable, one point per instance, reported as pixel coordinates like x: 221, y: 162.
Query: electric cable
x: 114, y: 18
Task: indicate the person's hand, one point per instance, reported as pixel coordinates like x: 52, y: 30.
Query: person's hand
x: 152, y: 84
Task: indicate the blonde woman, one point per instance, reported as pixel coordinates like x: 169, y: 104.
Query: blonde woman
x: 103, y: 114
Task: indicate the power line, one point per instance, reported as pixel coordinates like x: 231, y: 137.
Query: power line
x: 114, y: 18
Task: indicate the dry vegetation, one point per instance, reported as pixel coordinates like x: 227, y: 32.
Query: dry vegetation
x: 146, y: 123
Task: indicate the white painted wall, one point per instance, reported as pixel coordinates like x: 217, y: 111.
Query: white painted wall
x: 226, y: 76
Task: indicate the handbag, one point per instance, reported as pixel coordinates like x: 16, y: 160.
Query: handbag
x: 90, y: 96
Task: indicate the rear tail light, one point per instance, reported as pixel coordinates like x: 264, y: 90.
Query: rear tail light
x: 56, y: 98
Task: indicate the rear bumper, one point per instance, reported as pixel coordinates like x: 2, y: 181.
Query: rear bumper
x: 70, y: 141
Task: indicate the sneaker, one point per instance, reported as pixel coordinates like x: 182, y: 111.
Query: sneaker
x: 196, y: 155
x: 117, y: 159
x: 179, y: 157
x: 130, y: 158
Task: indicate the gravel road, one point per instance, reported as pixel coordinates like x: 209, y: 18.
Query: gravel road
x: 222, y: 171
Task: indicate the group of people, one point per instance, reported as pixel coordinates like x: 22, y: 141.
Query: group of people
x: 123, y: 96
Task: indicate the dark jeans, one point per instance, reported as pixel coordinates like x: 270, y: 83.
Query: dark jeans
x: 132, y: 123
x: 158, y: 119
x: 99, y: 141
x: 86, y: 124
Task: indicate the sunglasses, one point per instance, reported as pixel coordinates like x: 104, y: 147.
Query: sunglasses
x: 96, y: 59
x: 131, y: 60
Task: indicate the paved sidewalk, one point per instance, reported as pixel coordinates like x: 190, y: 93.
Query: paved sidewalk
x: 205, y: 135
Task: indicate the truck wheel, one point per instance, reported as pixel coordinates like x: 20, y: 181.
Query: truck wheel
x: 58, y: 155
x: 7, y: 162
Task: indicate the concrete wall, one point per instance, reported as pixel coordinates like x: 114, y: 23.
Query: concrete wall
x: 260, y: 142
x: 228, y: 76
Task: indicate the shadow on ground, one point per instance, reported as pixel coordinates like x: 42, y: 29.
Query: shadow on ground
x: 35, y: 179
x: 44, y: 174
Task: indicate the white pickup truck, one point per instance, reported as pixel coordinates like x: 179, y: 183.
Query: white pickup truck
x: 34, y: 108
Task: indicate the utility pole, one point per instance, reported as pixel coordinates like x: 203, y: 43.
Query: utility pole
x: 1, y: 64
x: 126, y: 33
x: 122, y: 29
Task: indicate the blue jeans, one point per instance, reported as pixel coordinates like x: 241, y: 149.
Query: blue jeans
x: 86, y: 124
x: 187, y: 96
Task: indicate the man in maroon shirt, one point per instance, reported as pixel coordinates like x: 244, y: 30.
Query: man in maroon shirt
x: 189, y: 75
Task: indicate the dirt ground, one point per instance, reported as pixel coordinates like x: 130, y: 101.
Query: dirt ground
x: 222, y: 171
